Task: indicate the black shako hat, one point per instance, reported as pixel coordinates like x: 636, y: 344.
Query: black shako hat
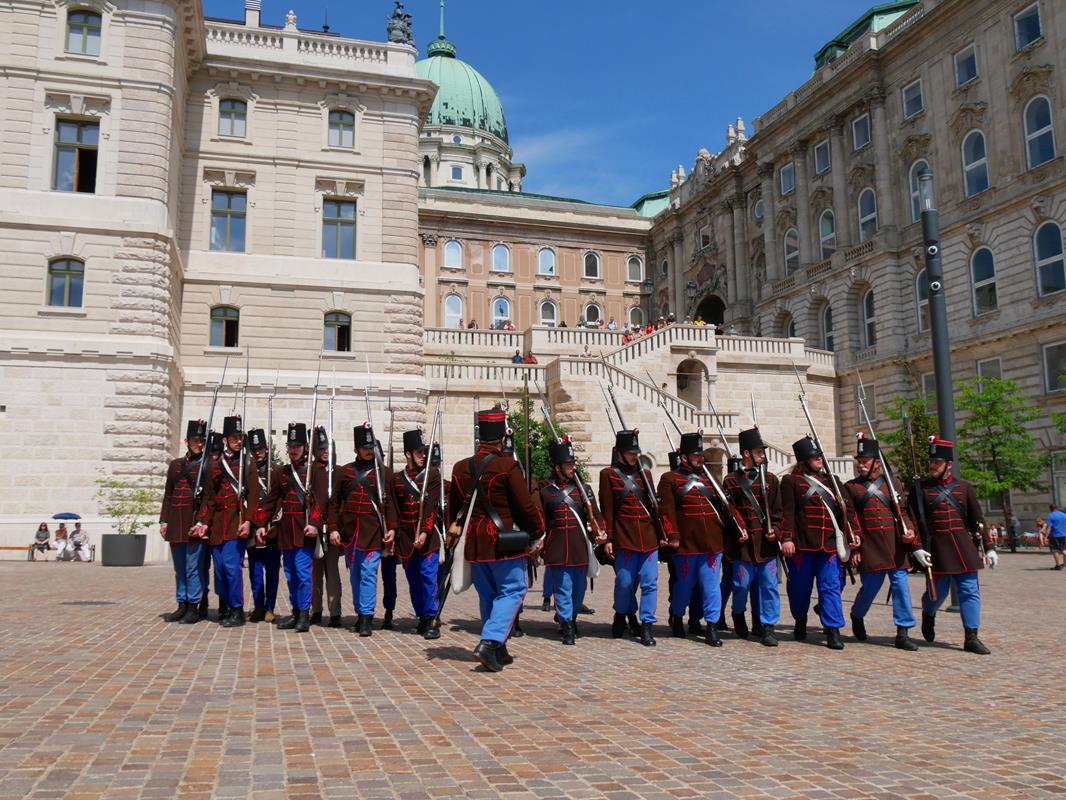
x: 196, y: 429
x: 750, y: 439
x: 412, y: 441
x: 806, y: 448
x: 865, y: 446
x: 232, y: 426
x: 363, y: 435
x: 492, y: 425
x: 941, y: 448
x: 627, y: 441
x: 561, y: 453
x: 256, y: 439
x: 691, y: 443
x: 321, y: 439
x: 674, y: 458
x: 297, y: 434
x: 214, y: 442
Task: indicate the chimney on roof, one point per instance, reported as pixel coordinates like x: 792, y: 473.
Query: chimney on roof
x: 251, y: 13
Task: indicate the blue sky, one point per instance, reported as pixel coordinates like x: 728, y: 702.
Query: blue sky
x: 603, y: 99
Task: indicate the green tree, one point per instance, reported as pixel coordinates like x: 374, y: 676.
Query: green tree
x: 129, y: 507
x: 906, y: 445
x: 539, y: 437
x: 996, y: 451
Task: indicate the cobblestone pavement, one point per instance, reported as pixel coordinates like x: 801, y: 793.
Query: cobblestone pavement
x: 101, y: 698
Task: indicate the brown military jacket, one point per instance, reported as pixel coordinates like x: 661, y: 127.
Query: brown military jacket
x: 625, y: 510
x: 948, y: 533
x: 407, y: 486
x: 565, y: 539
x: 882, y: 547
x: 805, y: 519
x: 178, y: 511
x: 222, y: 510
x: 286, y: 497
x: 758, y: 549
x: 354, y: 508
x: 502, y: 486
x: 690, y: 511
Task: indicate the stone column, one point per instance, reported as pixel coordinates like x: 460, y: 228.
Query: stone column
x: 478, y: 172
x: 730, y: 245
x: 678, y: 301
x: 803, y: 203
x: 434, y: 170
x: 740, y: 248
x: 886, y: 206
x: 842, y: 216
x: 769, y: 223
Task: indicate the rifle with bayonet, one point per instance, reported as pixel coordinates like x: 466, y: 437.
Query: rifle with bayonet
x: 379, y: 454
x: 242, y: 490
x: 919, y: 505
x: 886, y: 470
x: 320, y: 548
x: 764, y: 511
x: 198, y: 490
x: 846, y: 537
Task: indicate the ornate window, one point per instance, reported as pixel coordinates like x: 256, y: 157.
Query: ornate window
x: 338, y: 229
x: 501, y: 258
x: 917, y: 168
x: 788, y: 178
x: 827, y: 234
x: 759, y: 209
x: 966, y: 65
x: 592, y: 314
x: 76, y: 153
x: 636, y: 317
x: 921, y: 299
x: 827, y: 327
x: 1039, y: 133
x: 913, y: 102
x: 975, y: 163
x: 66, y: 280
x: 549, y: 313
x: 790, y: 328
x: 341, y: 129
x: 665, y: 268
x: 1055, y: 367
x: 867, y: 214
x: 453, y: 255
x: 457, y: 172
x: 83, y: 32
x: 860, y: 132
x: 822, y: 157
x: 983, y: 276
x: 546, y: 261
x: 634, y: 270
x: 1027, y: 27
x: 1050, y: 267
x: 228, y: 220
x: 337, y: 332
x: 592, y: 265
x: 225, y: 325
x: 792, y: 250
x: 232, y: 118
x: 453, y: 310
x: 869, y: 320
x: 501, y: 312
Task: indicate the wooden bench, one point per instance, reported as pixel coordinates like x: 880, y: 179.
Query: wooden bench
x: 28, y: 550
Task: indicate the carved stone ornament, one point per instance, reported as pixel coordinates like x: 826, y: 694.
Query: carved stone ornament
x: 398, y: 28
x: 429, y: 239
x: 821, y: 199
x: 229, y: 178
x: 875, y: 95
x: 786, y: 217
x: 765, y: 171
x: 975, y: 232
x: 233, y: 90
x: 80, y: 105
x: 338, y: 188
x: 1040, y: 205
x: 914, y: 147
x: 918, y: 257
x: 1031, y: 80
x: 966, y: 118
x: 861, y: 176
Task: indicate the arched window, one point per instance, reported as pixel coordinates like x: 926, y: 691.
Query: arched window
x: 592, y: 265
x: 636, y: 317
x: 592, y: 314
x: 867, y: 214
x: 337, y: 332
x: 792, y: 250
x: 83, y: 32
x: 341, y: 129
x: 921, y: 298
x: 546, y: 261
x: 634, y: 270
x: 66, y: 279
x: 501, y: 258
x: 453, y: 310
x: 917, y: 168
x: 785, y: 325
x: 758, y: 211
x: 1050, y: 267
x: 975, y: 163
x: 225, y: 325
x: 232, y: 118
x: 426, y: 172
x: 1039, y: 134
x: 983, y: 275
x: 827, y: 327
x: 548, y: 313
x: 827, y: 234
x: 501, y: 312
x: 453, y: 255
x: 665, y: 268
x: 869, y: 320
x: 790, y: 328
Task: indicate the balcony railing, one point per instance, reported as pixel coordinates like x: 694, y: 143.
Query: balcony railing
x: 482, y: 342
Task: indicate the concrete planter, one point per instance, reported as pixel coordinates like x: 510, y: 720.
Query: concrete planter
x: 121, y: 550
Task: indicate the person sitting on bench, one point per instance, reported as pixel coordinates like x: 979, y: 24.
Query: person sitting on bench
x: 41, y: 542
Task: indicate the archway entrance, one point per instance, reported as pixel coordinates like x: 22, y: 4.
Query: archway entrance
x: 712, y: 309
x: 691, y: 382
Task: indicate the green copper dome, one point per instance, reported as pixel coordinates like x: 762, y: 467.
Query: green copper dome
x: 465, y: 98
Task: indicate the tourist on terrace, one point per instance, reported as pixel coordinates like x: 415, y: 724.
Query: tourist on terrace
x: 612, y: 325
x: 517, y: 357
x: 472, y: 325
x: 530, y: 358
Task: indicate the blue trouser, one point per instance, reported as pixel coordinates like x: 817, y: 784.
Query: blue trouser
x: 179, y: 554
x: 807, y: 568
x: 901, y: 595
x: 700, y: 570
x: 229, y: 577
x: 421, y: 571
x: 198, y: 566
x: 501, y: 587
x: 548, y: 590
x: 760, y: 580
x: 364, y: 578
x: 630, y: 570
x: 264, y: 568
x: 388, y: 582
x: 695, y: 604
x: 297, y: 565
x: 969, y: 590
x: 568, y: 585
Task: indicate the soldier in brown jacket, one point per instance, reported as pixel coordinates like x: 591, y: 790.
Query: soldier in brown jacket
x: 231, y: 495
x: 632, y: 539
x: 325, y: 570
x: 299, y: 508
x: 493, y: 486
x: 176, y: 518
x: 953, y: 534
x: 885, y: 543
x: 264, y: 560
x: 362, y: 519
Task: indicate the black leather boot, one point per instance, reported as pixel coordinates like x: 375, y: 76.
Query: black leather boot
x: 712, y: 637
x: 618, y: 626
x: 223, y: 612
x: 646, y: 638
x: 288, y: 623
x: 386, y: 621
x: 929, y: 627
x: 832, y: 639
x: 768, y: 637
x: 235, y: 618
x: 677, y: 627
x: 973, y: 644
x: 903, y: 640
x: 177, y: 614
x: 740, y: 626
x: 799, y: 632
x: 568, y: 633
x: 516, y: 629
x: 334, y: 621
x: 721, y: 625
x: 546, y: 605
x: 201, y: 608
x: 316, y: 617
x: 485, y: 652
x: 432, y: 630
x: 634, y: 624
x: 303, y: 622
x: 858, y: 627
x: 588, y: 612
x: 756, y: 627
x: 577, y: 631
x: 694, y: 627
x: 192, y: 615
x: 368, y: 626
x: 503, y: 656
x: 423, y: 622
